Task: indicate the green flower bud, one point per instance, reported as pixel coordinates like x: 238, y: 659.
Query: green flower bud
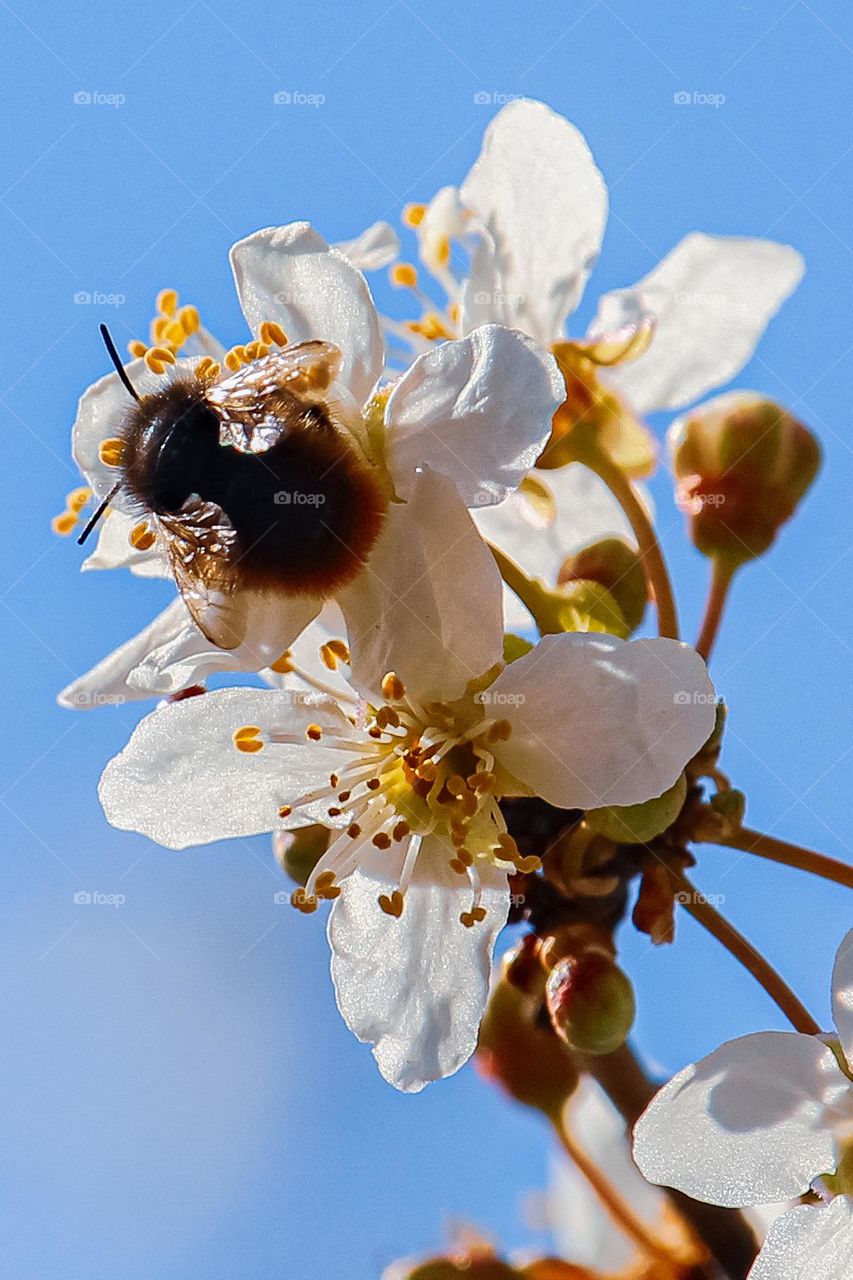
x: 742, y: 464
x: 616, y: 565
x: 639, y: 823
x: 298, y: 852
x: 591, y: 1002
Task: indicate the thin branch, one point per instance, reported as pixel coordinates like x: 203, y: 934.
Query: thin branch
x: 789, y: 855
x: 696, y: 905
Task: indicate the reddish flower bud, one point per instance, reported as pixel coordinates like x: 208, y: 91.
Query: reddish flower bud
x: 591, y: 1002
x: 742, y: 464
x: 529, y: 1063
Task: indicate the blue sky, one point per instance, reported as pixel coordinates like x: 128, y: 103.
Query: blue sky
x: 179, y: 1096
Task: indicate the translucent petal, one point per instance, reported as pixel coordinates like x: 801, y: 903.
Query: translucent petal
x: 181, y: 781
x: 749, y: 1124
x: 600, y: 721
x: 415, y: 987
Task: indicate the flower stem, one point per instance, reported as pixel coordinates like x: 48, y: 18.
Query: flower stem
x: 620, y: 1211
x: 725, y: 1232
x: 696, y: 905
x: 790, y: 855
x: 651, y: 555
x: 721, y: 581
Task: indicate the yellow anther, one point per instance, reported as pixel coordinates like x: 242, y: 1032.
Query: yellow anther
x: 167, y: 301
x: 457, y: 866
x: 413, y: 214
x: 234, y: 359
x: 142, y: 537
x: 472, y: 917
x: 506, y: 847
x: 344, y: 796
x: 283, y: 664
x: 303, y: 902
x: 203, y: 368
x: 403, y: 275
x: 77, y: 498
x: 442, y: 251
x: 500, y: 731
x: 158, y: 357
x: 392, y: 687
x: 353, y: 831
x: 382, y: 840
x: 173, y: 334
x: 285, y: 811
x: 272, y: 334
x: 190, y: 320
x: 333, y: 652
x: 248, y: 739
x: 333, y: 779
x: 531, y: 863
x: 314, y: 732
x: 111, y: 451
x: 453, y: 312
x: 391, y: 904
x: 63, y: 524
x: 482, y: 782
x: 387, y: 716
x: 401, y: 830
x: 137, y: 348
x: 456, y: 785
x: 159, y: 328
x: 325, y: 887
x: 373, y: 784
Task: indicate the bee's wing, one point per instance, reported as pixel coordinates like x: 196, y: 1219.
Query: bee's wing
x: 254, y: 403
x: 201, y: 546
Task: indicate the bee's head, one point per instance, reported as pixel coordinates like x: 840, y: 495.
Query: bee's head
x: 171, y: 440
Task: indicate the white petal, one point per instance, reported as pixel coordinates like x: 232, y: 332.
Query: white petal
x: 749, y: 1124
x: 107, y: 683
x: 811, y: 1242
x: 102, y: 412
x: 600, y: 721
x: 305, y: 653
x: 428, y: 603
x: 415, y: 987
x: 538, y: 192
x: 375, y: 248
x: 479, y: 410
x: 172, y: 654
x: 186, y: 657
x: 713, y: 297
x: 181, y: 781
x: 484, y: 299
x: 842, y: 995
x: 115, y: 551
x: 291, y: 275
x: 584, y: 511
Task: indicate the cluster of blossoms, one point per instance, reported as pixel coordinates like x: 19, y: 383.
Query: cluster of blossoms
x: 368, y: 511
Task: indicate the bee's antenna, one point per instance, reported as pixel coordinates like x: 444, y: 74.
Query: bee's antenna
x: 100, y: 511
x: 116, y: 359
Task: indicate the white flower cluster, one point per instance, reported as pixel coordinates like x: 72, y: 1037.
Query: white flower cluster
x: 395, y: 719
